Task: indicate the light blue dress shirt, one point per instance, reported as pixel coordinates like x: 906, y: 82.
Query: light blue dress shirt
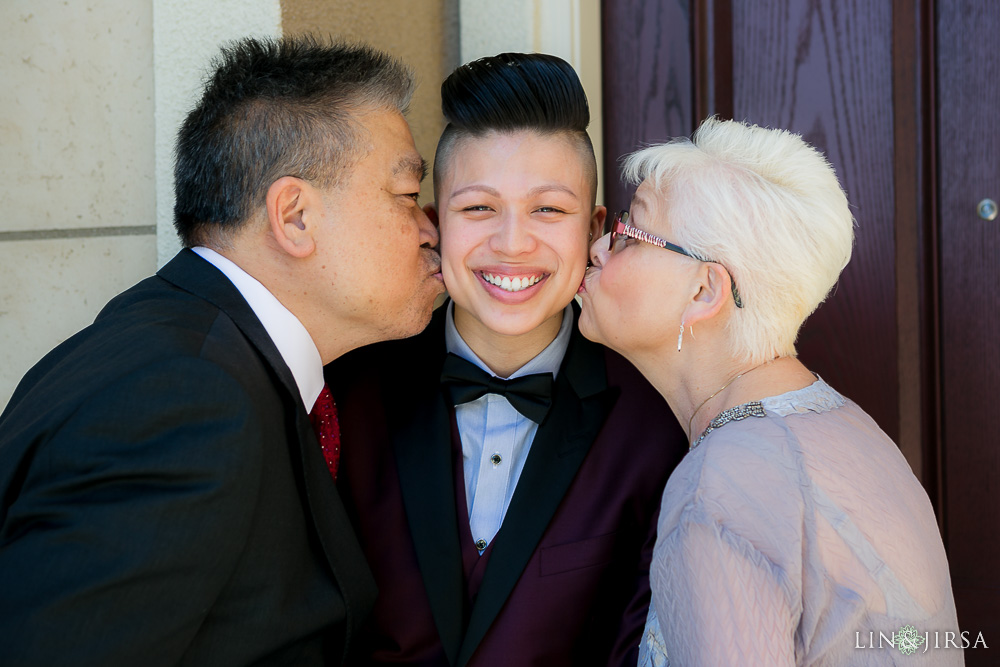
x: 496, y: 438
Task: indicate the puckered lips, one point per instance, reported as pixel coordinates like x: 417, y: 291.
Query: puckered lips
x: 434, y: 267
x: 511, y: 285
x: 582, y: 289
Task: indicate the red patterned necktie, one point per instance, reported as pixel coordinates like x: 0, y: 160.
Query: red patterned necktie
x: 324, y: 421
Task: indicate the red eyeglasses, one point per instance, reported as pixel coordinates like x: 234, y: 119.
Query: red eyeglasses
x: 620, y: 230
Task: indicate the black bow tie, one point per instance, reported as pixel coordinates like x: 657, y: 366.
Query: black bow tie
x: 531, y: 395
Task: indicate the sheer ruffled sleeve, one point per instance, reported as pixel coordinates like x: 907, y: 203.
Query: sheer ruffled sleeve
x: 720, y: 601
x: 652, y: 652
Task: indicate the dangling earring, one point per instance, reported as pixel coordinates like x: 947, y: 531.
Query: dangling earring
x: 680, y: 337
x: 691, y: 329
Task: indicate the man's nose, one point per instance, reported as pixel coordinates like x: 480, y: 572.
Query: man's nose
x: 428, y: 231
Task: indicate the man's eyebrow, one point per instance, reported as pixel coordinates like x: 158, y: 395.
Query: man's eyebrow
x: 413, y: 164
x: 552, y: 187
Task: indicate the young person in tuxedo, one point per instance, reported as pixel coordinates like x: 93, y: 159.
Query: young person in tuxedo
x: 164, y: 498
x: 507, y: 492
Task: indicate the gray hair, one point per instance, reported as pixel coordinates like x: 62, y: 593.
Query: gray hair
x: 767, y: 206
x: 273, y: 108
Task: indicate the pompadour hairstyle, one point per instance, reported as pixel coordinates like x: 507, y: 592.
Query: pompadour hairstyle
x: 511, y: 92
x: 274, y: 108
x: 767, y: 206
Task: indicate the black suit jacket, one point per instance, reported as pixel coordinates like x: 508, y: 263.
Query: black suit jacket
x: 163, y: 499
x: 566, y: 582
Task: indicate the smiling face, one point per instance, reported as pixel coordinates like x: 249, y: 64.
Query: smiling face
x: 515, y: 213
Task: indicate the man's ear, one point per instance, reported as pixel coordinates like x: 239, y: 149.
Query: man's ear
x: 294, y: 210
x: 597, y: 222
x: 431, y: 211
x: 712, y: 285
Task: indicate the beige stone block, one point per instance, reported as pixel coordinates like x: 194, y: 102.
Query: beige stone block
x: 51, y: 289
x: 76, y: 115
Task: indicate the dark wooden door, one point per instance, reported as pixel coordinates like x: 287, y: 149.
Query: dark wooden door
x: 903, y: 97
x: 796, y: 67
x: 968, y: 79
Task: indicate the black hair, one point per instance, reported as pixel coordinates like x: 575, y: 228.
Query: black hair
x: 510, y: 92
x: 273, y: 108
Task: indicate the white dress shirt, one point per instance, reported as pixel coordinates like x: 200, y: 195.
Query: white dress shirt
x: 496, y: 438
x: 288, y: 334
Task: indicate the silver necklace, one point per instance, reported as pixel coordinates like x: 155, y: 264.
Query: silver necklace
x: 718, y: 391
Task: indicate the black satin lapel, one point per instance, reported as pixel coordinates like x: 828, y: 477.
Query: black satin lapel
x: 421, y: 435
x: 580, y: 405
x: 193, y: 274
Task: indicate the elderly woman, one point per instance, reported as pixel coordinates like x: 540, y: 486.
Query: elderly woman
x: 793, y: 532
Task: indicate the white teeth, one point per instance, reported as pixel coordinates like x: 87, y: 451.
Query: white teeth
x: 511, y: 285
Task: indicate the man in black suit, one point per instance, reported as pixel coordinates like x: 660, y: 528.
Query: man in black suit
x: 163, y: 496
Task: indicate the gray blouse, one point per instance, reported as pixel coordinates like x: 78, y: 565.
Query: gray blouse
x: 794, y: 533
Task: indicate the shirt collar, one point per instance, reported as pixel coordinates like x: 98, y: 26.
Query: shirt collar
x: 547, y: 361
x: 288, y: 334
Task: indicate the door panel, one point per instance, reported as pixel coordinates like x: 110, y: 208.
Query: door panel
x: 904, y: 98
x: 647, y: 82
x: 969, y: 170
x: 823, y: 69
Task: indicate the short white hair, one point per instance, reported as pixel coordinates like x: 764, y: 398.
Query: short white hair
x: 767, y: 206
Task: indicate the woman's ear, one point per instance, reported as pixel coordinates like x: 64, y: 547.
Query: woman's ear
x: 597, y: 219
x: 712, y: 284
x: 294, y: 211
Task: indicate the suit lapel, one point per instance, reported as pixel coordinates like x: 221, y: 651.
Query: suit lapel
x: 195, y: 275
x: 581, y: 401
x: 343, y: 552
x: 421, y: 434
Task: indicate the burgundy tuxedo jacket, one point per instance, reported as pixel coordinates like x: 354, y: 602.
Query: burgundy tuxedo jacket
x: 566, y: 579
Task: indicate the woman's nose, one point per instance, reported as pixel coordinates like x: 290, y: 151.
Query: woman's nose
x: 599, y: 251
